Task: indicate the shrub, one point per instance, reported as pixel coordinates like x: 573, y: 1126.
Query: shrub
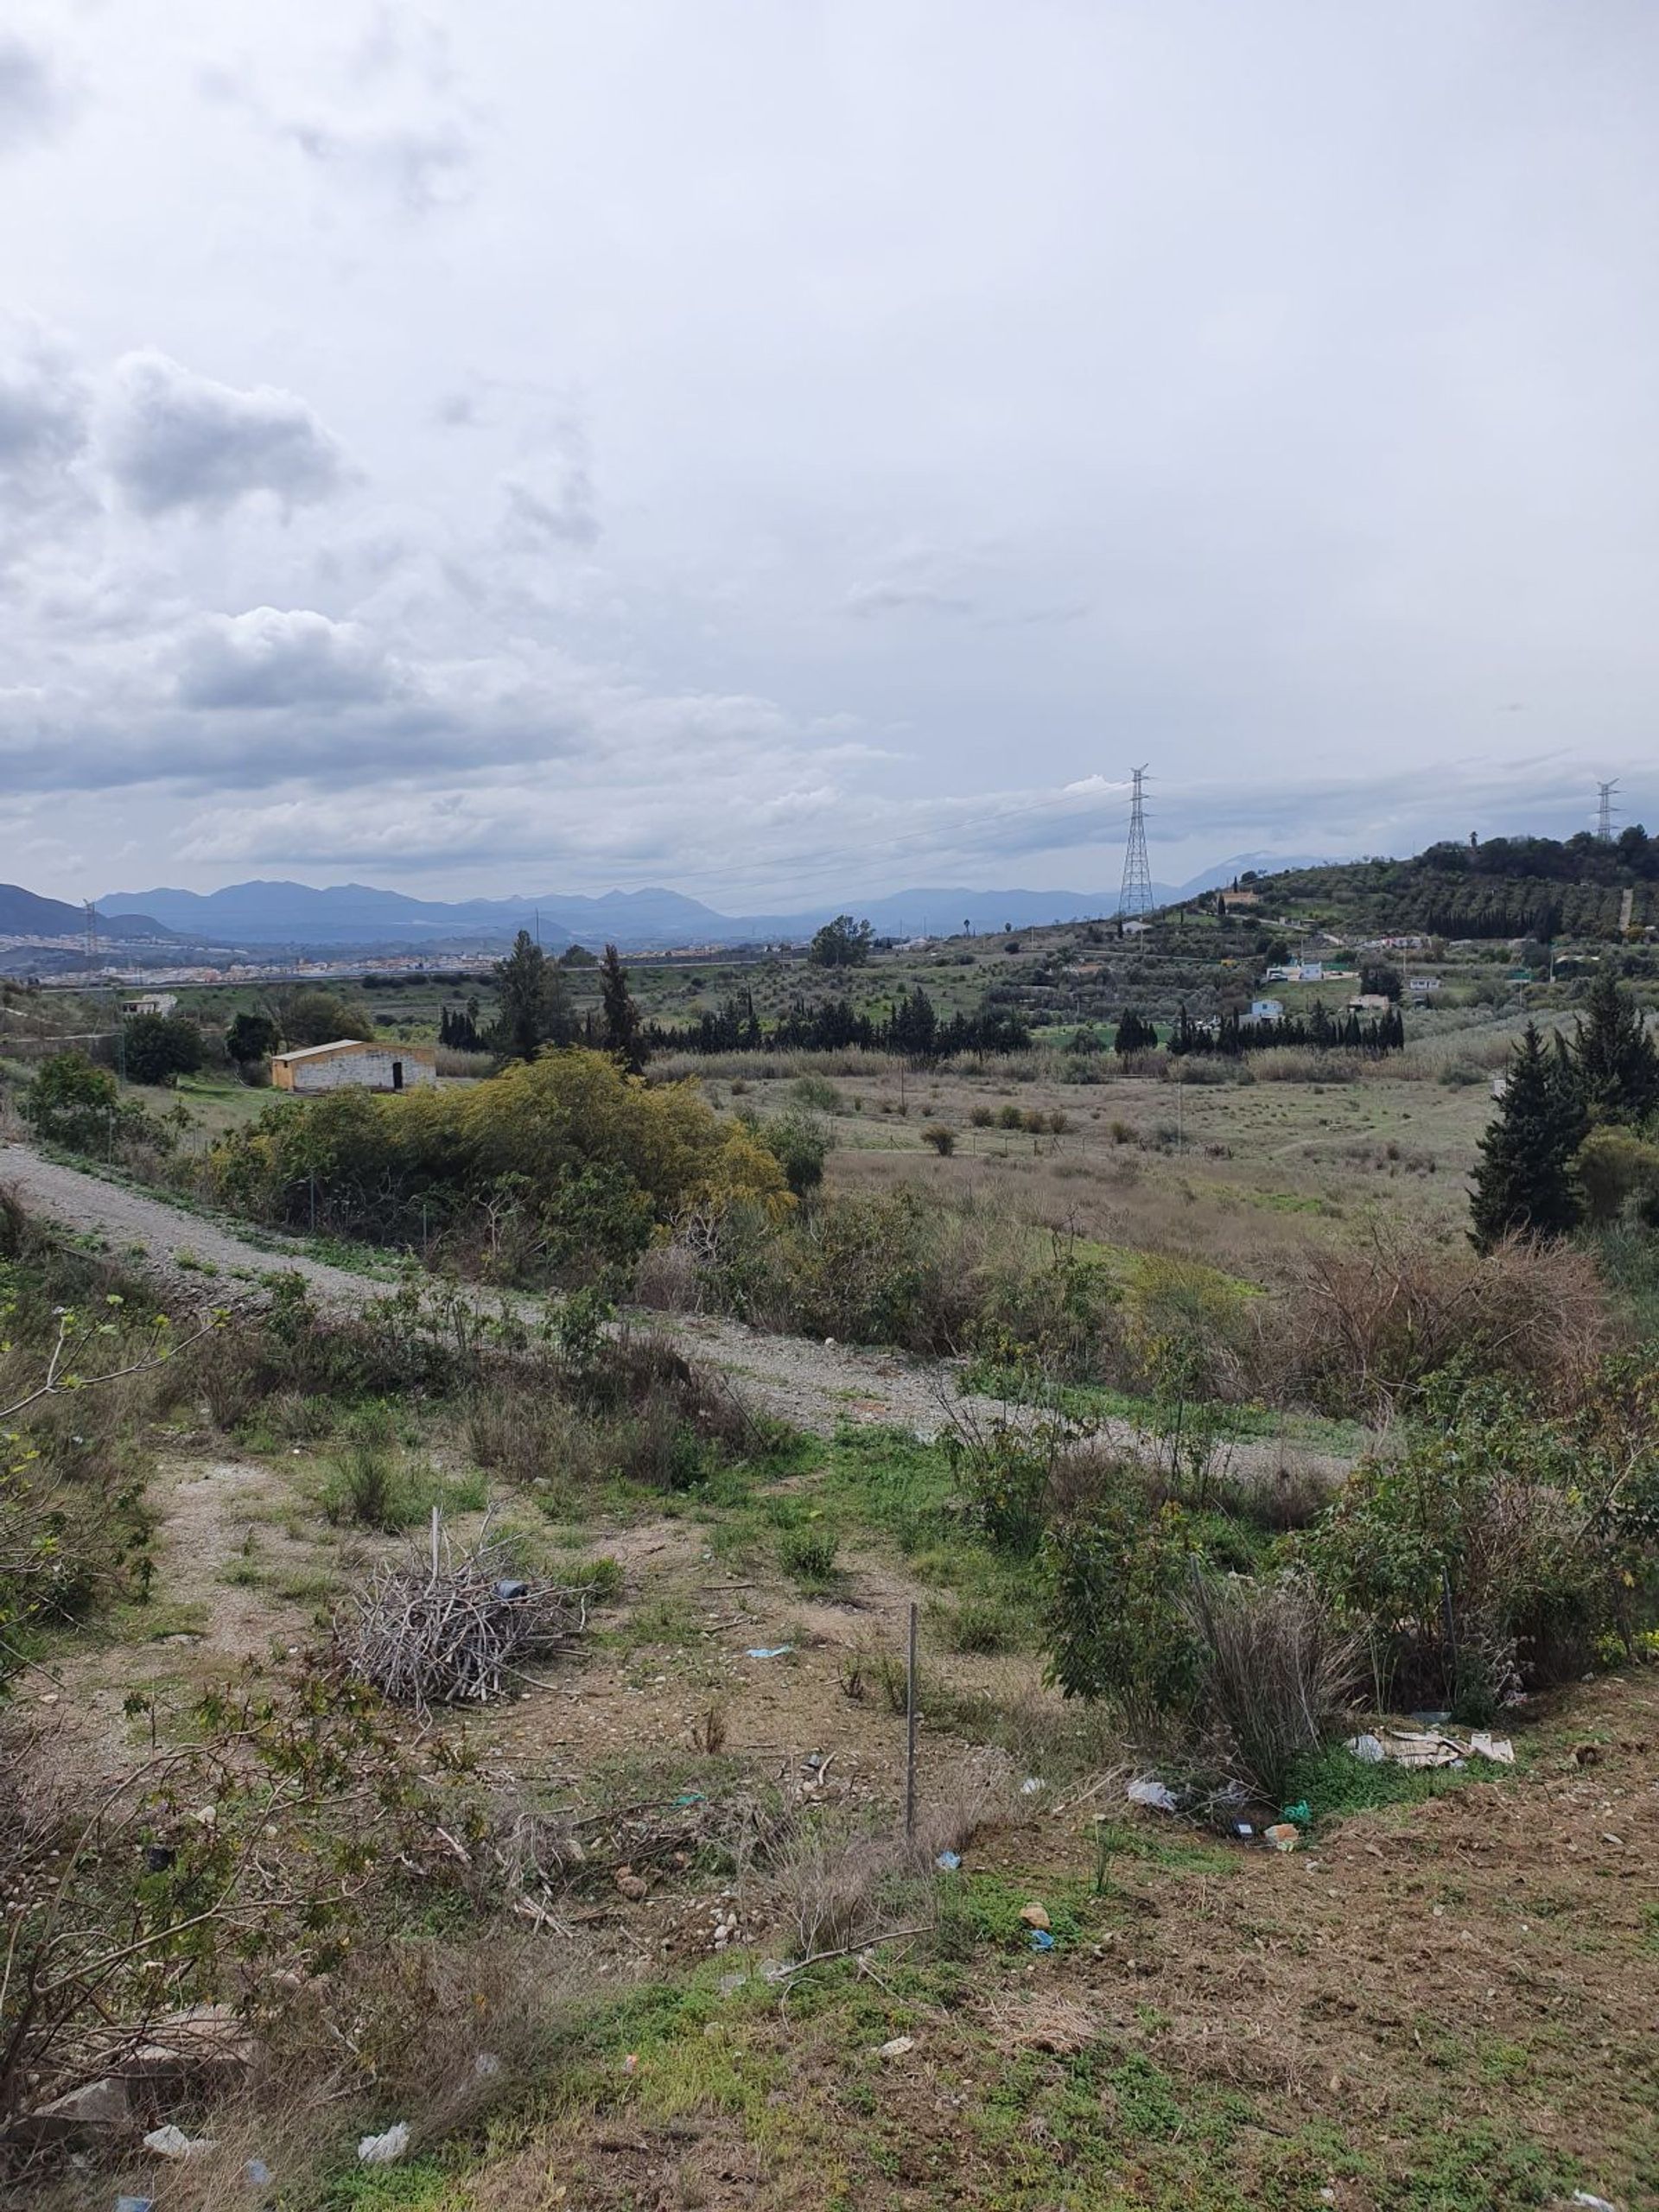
x: 1010, y: 1117
x: 983, y: 1118
x: 1499, y: 1549
x: 1274, y: 1676
x: 1004, y: 1475
x: 1618, y: 1174
x: 809, y: 1554
x: 1363, y: 1332
x: 799, y: 1142
x: 943, y: 1140
x: 553, y: 1170
x: 1120, y: 1628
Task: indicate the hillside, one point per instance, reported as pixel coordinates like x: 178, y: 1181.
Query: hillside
x: 1540, y: 887
x: 25, y: 913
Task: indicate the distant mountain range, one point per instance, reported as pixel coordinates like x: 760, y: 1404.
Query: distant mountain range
x: 357, y: 916
x: 24, y: 913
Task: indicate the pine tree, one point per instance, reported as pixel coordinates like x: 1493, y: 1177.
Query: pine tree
x: 1523, y: 1182
x: 532, y: 1006
x: 621, y: 1015
x: 1615, y: 1060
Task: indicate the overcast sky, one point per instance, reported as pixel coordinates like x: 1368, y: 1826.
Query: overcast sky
x: 815, y: 446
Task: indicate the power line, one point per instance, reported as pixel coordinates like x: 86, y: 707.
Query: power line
x: 1136, y: 895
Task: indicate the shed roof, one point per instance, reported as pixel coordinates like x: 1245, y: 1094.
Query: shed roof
x: 317, y: 1051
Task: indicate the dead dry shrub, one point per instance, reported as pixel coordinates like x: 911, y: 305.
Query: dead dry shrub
x: 667, y: 1278
x: 840, y: 1883
x: 1275, y: 1673
x: 1359, y: 1333
x: 438, y: 2035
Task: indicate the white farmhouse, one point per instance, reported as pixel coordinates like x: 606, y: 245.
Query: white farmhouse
x: 350, y: 1064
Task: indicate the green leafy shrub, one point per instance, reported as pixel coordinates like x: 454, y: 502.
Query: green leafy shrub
x: 1495, y: 1552
x: 799, y: 1142
x: 808, y: 1555
x: 943, y: 1140
x: 1120, y: 1627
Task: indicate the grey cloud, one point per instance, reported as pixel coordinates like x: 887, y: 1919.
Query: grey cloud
x: 269, y: 657
x: 172, y: 439
x: 902, y: 597
x: 44, y: 412
x: 560, y: 507
x: 424, y: 167
x: 33, y: 101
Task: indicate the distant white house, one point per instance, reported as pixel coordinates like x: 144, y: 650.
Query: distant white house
x: 350, y: 1064
x: 150, y: 1003
x: 1369, y: 1002
x: 1420, y: 986
x: 1266, y: 1009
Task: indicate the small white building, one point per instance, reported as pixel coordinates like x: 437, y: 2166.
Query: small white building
x: 350, y: 1064
x: 1420, y: 986
x: 161, y: 1002
x: 1370, y: 1002
x: 1266, y: 1009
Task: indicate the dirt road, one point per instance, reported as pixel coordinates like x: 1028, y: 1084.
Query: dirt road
x: 816, y: 1386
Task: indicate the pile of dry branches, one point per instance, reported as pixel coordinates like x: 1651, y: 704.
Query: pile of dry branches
x: 449, y: 1628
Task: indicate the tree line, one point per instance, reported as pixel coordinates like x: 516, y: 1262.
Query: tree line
x: 909, y: 1027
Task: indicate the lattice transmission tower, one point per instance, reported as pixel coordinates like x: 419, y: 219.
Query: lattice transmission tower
x: 1605, y: 811
x: 89, y: 932
x: 1135, y: 897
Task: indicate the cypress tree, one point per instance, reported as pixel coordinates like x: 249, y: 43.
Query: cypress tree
x: 1614, y: 1058
x: 1524, y: 1180
x: 621, y: 1015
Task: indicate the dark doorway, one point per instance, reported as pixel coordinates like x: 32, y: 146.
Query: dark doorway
x: 397, y: 1075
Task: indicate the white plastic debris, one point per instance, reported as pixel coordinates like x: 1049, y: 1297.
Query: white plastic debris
x: 769, y: 1650
x: 171, y: 2142
x: 1031, y: 1785
x: 487, y: 2065
x: 1592, y: 2204
x: 1148, y: 1790
x: 1492, y: 1747
x: 383, y: 2150
x: 898, y: 2047
x: 1367, y: 1749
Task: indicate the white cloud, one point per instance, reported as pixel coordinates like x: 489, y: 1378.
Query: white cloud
x: 172, y: 439
x: 269, y: 657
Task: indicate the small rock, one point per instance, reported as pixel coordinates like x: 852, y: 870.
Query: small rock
x: 1034, y: 1915
x: 898, y: 2047
x: 1282, y: 1835
x: 95, y: 2104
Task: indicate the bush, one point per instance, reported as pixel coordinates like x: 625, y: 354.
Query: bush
x: 799, y: 1142
x: 809, y: 1554
x: 556, y: 1170
x: 943, y: 1140
x: 983, y: 1118
x: 1120, y: 1627
x: 1618, y: 1174
x: 1274, y: 1674
x: 1501, y: 1549
x: 1363, y: 1332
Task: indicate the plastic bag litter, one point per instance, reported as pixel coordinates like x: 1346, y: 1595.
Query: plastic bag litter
x: 1148, y: 1790
x: 948, y: 1861
x: 1592, y: 2204
x: 769, y: 1651
x: 1041, y: 1940
x: 171, y: 2142
x: 1367, y: 1748
x: 383, y: 2150
x: 1031, y: 1785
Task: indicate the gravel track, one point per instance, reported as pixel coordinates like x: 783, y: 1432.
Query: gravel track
x: 816, y: 1386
